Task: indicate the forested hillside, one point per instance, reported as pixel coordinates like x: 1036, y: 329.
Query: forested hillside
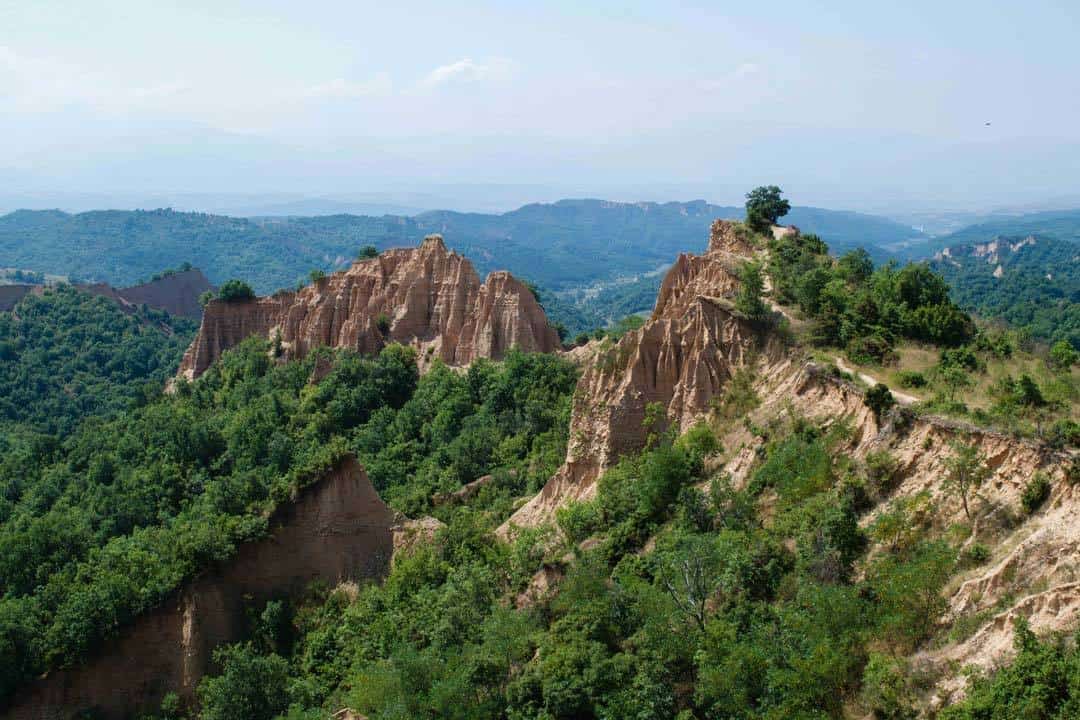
x: 569, y: 243
x: 1031, y: 282
x: 673, y: 592
x: 66, y: 355
x: 103, y: 524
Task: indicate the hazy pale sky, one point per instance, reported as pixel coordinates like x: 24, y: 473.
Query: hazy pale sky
x: 856, y: 104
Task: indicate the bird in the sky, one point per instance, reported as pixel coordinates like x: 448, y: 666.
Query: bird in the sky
x: 987, y: 124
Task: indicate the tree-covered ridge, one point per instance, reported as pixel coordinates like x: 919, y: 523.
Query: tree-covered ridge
x: 103, y: 525
x: 558, y: 245
x: 66, y: 355
x: 878, y: 316
x: 1058, y: 224
x: 1031, y: 282
x: 859, y: 307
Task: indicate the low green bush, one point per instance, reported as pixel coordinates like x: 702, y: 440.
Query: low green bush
x: 1035, y: 493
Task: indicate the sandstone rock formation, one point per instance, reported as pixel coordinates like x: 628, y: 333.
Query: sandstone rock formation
x: 427, y: 297
x: 338, y: 530
x: 681, y: 358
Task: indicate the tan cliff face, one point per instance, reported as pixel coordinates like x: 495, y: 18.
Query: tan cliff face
x: 681, y: 358
x: 426, y: 297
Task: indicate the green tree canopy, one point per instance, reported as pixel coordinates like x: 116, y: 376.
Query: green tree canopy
x: 765, y: 205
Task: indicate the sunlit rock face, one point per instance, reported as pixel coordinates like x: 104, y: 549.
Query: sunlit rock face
x: 427, y: 297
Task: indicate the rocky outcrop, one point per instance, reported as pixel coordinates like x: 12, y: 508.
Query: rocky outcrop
x: 682, y: 358
x: 426, y: 297
x: 338, y: 530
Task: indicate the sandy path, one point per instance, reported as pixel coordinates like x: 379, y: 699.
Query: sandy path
x: 902, y: 398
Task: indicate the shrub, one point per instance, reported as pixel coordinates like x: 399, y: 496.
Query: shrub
x: 751, y: 285
x: 1063, y: 433
x: 910, y: 379
x: 250, y: 686
x: 700, y: 442
x: 739, y: 398
x: 316, y: 275
x: 954, y: 378
x: 885, y: 691
x: 1041, y: 682
x: 383, y: 323
x: 578, y: 519
x: 961, y: 357
x: 367, y: 252
x: 871, y: 349
x: 1063, y: 356
x: 1035, y: 494
x: 974, y: 555
x: 881, y: 472
x: 879, y: 399
x: 235, y: 291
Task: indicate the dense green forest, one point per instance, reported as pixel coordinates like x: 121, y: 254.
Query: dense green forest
x: 683, y: 602
x: 102, y: 524
x: 864, y: 309
x: 66, y: 355
x: 848, y: 304
x: 1038, y: 288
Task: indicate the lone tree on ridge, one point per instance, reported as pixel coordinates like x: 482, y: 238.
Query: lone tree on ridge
x: 765, y: 205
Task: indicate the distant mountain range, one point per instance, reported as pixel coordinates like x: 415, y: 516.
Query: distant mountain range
x: 570, y: 243
x: 1057, y: 224
x: 593, y: 260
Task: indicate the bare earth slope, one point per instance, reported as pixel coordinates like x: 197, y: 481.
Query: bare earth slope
x: 427, y: 297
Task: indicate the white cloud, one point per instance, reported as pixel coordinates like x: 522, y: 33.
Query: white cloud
x: 380, y: 84
x: 37, y: 83
x: 466, y: 70
x: 747, y: 68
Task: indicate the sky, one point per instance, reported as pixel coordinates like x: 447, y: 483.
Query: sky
x: 860, y: 105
